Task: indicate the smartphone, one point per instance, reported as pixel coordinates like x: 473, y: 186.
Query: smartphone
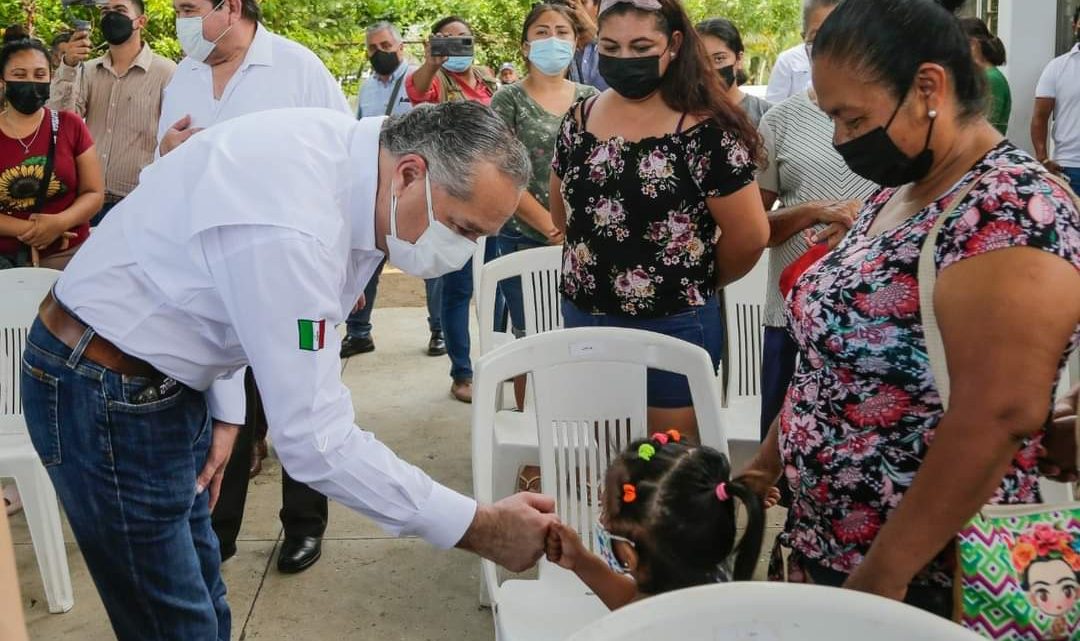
x: 80, y: 25
x: 459, y: 46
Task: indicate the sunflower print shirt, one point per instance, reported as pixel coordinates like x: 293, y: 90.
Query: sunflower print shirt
x: 640, y: 240
x: 21, y: 173
x: 862, y: 409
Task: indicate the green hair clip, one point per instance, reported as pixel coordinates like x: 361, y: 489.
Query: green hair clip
x: 646, y: 451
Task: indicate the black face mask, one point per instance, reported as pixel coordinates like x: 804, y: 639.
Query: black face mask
x: 727, y: 75
x: 385, y: 62
x: 631, y: 78
x: 875, y: 157
x: 116, y: 27
x: 26, y: 97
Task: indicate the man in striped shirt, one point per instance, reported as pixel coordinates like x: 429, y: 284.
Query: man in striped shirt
x: 118, y: 94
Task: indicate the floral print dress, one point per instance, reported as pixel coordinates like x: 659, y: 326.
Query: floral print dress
x: 862, y: 409
x: 639, y: 235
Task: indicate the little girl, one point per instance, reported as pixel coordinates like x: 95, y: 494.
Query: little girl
x: 667, y: 522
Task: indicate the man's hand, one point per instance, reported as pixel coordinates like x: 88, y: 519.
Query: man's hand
x: 435, y: 62
x: 512, y: 532
x: 78, y: 49
x: 45, y: 230
x: 217, y: 458
x: 178, y: 134
x: 586, y: 21
x: 360, y: 304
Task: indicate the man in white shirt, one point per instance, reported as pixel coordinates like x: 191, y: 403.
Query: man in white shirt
x: 236, y: 66
x: 246, y: 246
x: 383, y: 94
x: 791, y: 74
x: 1058, y: 94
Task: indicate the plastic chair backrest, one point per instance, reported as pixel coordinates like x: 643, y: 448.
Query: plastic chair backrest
x: 589, y: 395
x: 744, y: 320
x: 21, y: 291
x: 771, y: 612
x: 540, y: 271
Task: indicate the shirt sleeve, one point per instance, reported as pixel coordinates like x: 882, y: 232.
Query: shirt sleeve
x: 68, y: 91
x: 1048, y: 81
x: 503, y: 104
x: 293, y: 350
x: 719, y: 162
x: 418, y: 98
x: 769, y: 176
x: 80, y: 137
x: 325, y: 91
x: 226, y: 399
x: 779, y: 81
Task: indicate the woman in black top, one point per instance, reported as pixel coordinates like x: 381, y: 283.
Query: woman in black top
x: 661, y: 206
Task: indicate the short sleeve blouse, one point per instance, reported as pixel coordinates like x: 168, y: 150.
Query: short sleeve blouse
x: 640, y: 238
x: 862, y: 409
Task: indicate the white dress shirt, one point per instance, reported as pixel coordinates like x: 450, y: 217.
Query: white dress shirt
x: 276, y: 73
x: 790, y: 75
x: 1061, y: 81
x: 227, y: 247
x: 375, y: 94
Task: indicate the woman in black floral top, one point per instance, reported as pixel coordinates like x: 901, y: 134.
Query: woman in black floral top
x: 659, y: 201
x: 882, y: 476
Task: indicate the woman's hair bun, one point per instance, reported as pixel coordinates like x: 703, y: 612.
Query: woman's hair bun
x: 952, y: 6
x: 14, y: 33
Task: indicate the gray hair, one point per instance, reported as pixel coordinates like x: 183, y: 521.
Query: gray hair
x: 810, y: 6
x: 455, y: 137
x: 383, y: 25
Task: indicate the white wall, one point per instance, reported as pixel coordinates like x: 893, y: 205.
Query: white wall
x: 1028, y: 28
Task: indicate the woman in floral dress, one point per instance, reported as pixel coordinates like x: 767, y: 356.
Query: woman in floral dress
x: 659, y: 203
x: 882, y: 476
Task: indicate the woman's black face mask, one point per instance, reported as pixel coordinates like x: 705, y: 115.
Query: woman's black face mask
x: 875, y: 156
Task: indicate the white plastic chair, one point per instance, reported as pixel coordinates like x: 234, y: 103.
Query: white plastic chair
x: 771, y: 612
x: 22, y: 291
x: 540, y: 270
x: 744, y: 335
x: 589, y: 391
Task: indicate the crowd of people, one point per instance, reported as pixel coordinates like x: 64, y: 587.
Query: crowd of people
x: 629, y: 140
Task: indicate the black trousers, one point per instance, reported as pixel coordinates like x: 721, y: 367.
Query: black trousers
x: 303, y: 510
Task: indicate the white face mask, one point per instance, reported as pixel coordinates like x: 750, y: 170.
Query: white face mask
x: 437, y: 252
x: 189, y: 31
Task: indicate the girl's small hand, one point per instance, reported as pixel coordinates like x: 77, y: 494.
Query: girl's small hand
x: 564, y: 547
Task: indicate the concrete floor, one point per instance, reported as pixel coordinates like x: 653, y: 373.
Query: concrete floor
x: 367, y: 585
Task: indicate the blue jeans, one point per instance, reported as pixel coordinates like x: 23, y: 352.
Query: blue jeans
x: 778, y: 358
x: 510, y: 289
x: 701, y: 326
x: 456, y: 295
x: 1073, y: 174
x: 125, y: 473
x: 358, y: 324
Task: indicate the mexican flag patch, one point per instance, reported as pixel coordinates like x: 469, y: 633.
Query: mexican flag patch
x: 312, y: 334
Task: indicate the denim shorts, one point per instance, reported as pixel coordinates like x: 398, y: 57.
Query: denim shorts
x: 701, y: 326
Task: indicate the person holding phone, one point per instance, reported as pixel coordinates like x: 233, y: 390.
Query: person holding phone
x: 123, y: 86
x: 454, y: 78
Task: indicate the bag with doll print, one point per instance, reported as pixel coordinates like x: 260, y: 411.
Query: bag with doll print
x: 1018, y: 566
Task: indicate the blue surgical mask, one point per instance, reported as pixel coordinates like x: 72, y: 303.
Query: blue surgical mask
x: 457, y: 64
x: 551, y: 56
x: 605, y: 547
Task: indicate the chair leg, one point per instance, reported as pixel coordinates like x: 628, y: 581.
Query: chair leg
x: 43, y: 517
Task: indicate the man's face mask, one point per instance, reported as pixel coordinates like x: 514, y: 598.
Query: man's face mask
x: 438, y: 251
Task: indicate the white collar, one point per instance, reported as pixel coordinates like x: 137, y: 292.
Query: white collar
x: 364, y: 158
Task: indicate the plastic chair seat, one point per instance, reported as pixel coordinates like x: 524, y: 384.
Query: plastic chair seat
x: 548, y: 610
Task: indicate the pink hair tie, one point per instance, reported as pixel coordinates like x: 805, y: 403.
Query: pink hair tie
x: 721, y: 492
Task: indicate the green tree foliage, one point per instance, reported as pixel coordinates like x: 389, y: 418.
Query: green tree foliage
x: 334, y: 29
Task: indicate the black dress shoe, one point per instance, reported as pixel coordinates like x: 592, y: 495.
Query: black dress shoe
x: 227, y: 552
x: 436, y: 346
x: 351, y: 346
x: 299, y: 554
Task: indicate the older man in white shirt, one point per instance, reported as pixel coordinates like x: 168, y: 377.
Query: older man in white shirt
x: 236, y: 66
x: 246, y: 245
x: 790, y: 75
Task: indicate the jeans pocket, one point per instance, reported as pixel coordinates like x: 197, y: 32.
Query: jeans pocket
x: 41, y: 399
x: 164, y: 404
